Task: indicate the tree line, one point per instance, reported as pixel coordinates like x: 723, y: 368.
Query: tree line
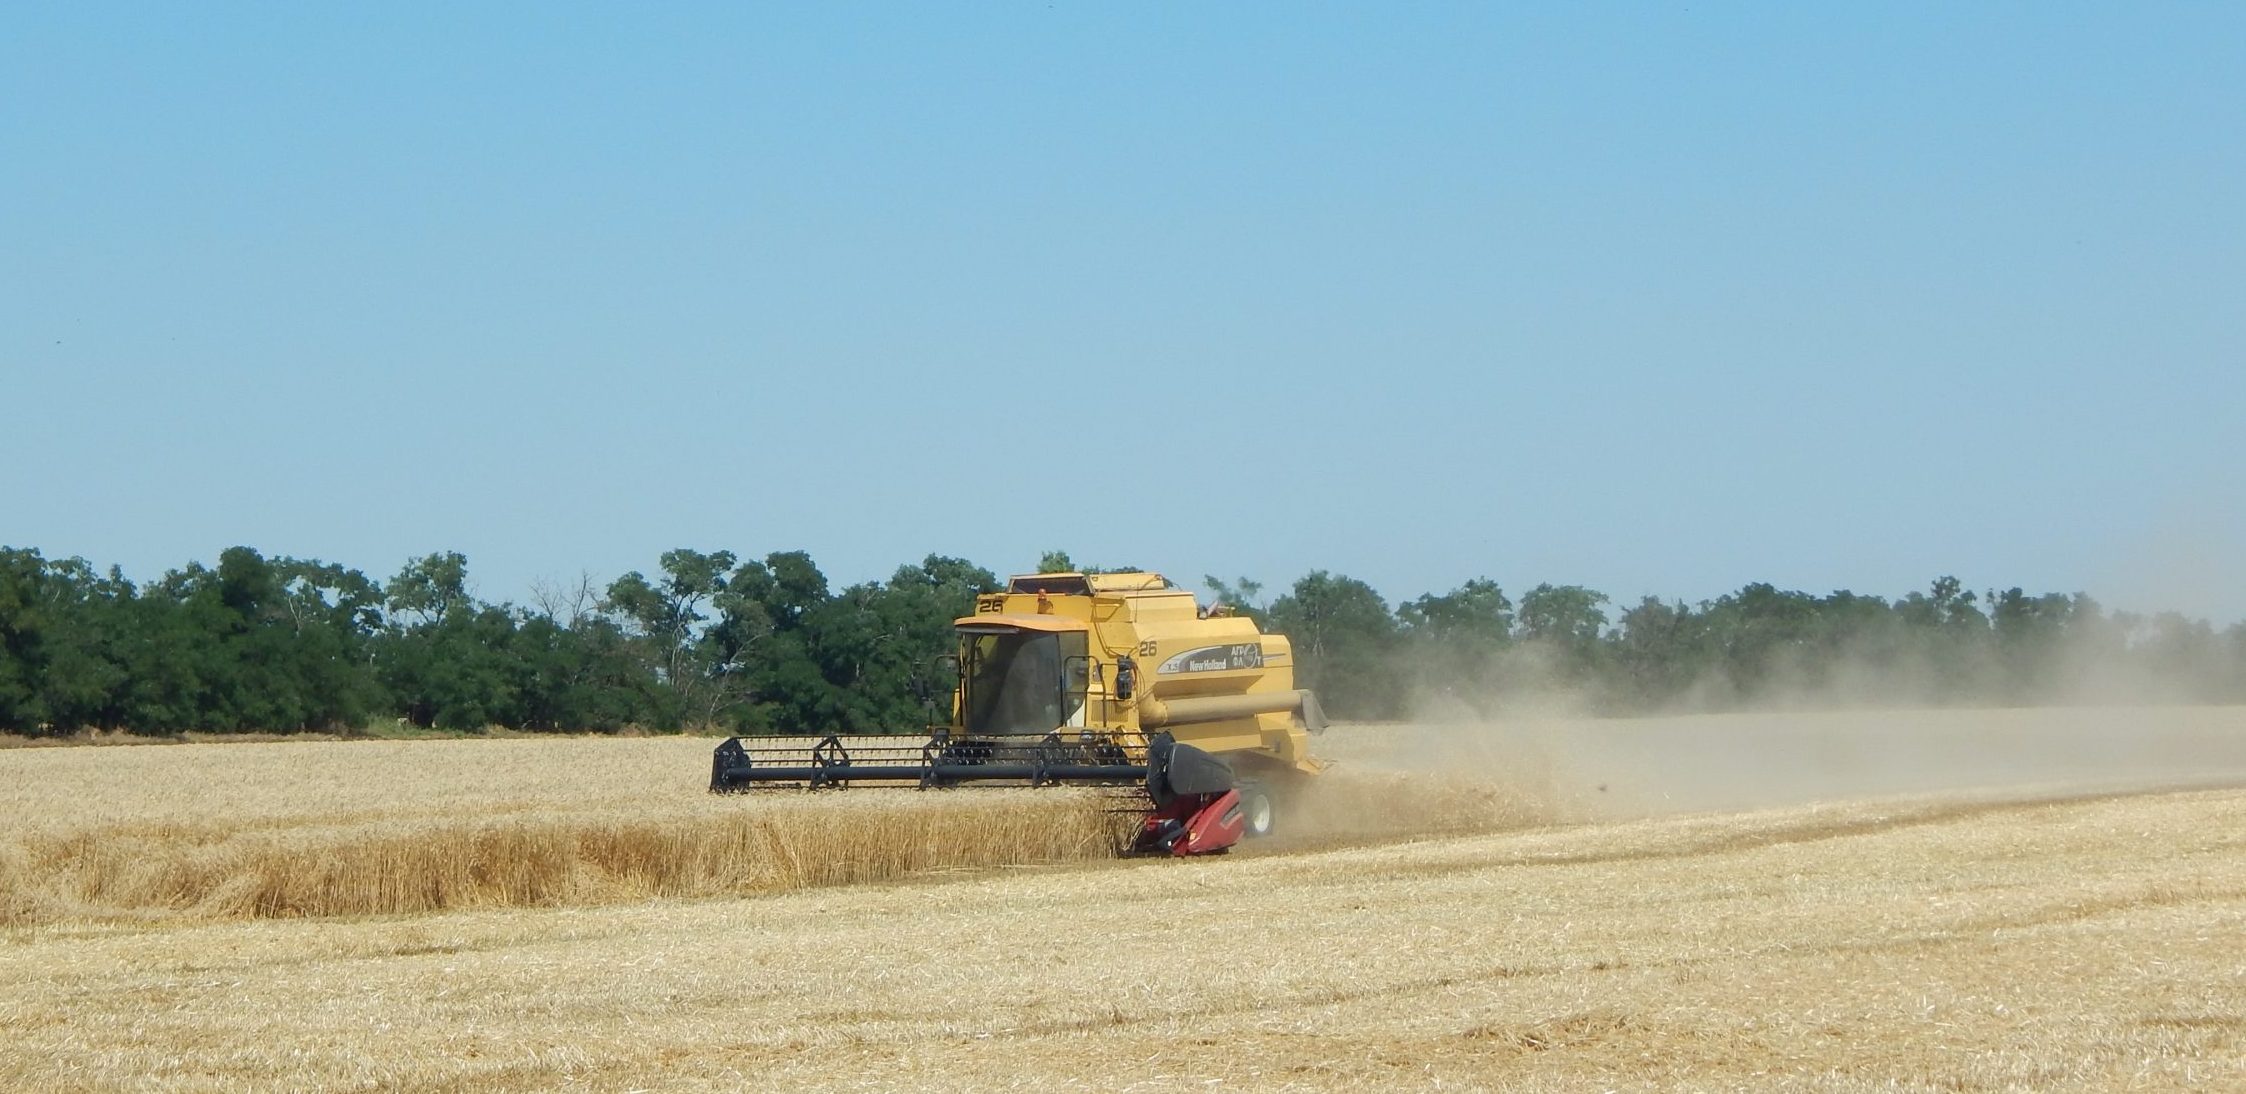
x: 1474, y: 650
x: 712, y: 640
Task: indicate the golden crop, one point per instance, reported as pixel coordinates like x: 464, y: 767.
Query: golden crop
x: 2054, y: 940
x: 381, y: 828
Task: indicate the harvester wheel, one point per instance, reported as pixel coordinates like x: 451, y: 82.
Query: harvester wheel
x: 1256, y: 807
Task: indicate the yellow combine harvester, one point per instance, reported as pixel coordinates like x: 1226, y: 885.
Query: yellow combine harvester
x: 1094, y: 679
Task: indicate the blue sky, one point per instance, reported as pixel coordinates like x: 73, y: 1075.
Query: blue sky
x: 1651, y: 298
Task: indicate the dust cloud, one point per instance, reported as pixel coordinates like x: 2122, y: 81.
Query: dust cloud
x: 1526, y: 738
x: 1392, y: 780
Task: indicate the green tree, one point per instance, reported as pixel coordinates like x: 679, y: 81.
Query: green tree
x: 26, y: 624
x: 331, y: 614
x: 2030, y: 634
x: 274, y: 644
x: 1560, y: 631
x: 460, y: 672
x: 1767, y: 639
x: 431, y: 587
x: 2185, y: 656
x: 1661, y: 651
x: 584, y: 676
x: 1344, y: 640
x: 1569, y: 616
x: 767, y: 648
x: 1455, y: 643
x: 666, y: 616
x: 1950, y: 638
x: 1477, y: 613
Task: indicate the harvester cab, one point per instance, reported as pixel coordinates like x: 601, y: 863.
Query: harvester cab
x: 1092, y: 679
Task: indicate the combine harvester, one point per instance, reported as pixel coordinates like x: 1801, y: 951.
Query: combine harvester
x: 1094, y: 680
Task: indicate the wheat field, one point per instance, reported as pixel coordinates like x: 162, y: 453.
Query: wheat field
x: 286, y: 829
x: 1524, y: 932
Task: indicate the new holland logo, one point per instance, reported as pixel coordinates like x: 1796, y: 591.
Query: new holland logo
x: 1242, y: 655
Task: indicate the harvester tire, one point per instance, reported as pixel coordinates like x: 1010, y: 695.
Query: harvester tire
x: 1256, y: 806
